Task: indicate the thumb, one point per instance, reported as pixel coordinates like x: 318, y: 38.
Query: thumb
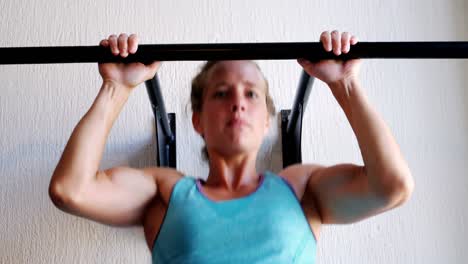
x: 152, y: 69
x: 303, y: 62
x: 308, y: 66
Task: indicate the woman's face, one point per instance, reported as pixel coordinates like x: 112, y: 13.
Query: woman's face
x: 234, y: 117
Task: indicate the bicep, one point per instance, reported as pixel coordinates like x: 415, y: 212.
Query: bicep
x: 343, y: 194
x: 117, y: 197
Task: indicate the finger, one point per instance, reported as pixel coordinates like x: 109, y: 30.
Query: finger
x: 354, y: 40
x: 345, y: 37
x: 113, y: 44
x: 133, y: 43
x: 122, y: 42
x: 104, y: 43
x: 326, y: 40
x: 336, y: 42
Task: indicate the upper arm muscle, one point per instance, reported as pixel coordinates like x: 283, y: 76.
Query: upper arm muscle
x: 343, y: 194
x: 118, y: 196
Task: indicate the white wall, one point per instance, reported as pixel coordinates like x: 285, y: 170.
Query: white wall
x: 425, y: 102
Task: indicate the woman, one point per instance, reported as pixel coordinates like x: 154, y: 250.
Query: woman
x: 238, y: 215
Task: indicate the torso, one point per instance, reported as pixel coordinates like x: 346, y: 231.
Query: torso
x: 156, y: 211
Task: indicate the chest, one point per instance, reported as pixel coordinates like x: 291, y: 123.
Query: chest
x: 236, y: 216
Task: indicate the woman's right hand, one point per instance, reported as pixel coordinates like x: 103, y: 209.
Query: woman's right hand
x: 128, y: 75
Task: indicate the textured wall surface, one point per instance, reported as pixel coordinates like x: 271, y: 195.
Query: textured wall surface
x: 425, y: 103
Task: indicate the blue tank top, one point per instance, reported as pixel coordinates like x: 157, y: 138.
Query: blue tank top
x: 266, y: 226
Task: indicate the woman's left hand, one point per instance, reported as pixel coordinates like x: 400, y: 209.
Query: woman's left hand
x: 334, y: 71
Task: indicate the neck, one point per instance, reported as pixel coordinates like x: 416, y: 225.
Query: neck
x: 233, y: 173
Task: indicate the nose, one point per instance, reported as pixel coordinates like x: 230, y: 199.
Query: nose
x: 237, y: 107
x: 238, y: 102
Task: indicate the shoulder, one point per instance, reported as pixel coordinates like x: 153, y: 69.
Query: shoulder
x: 163, y: 174
x: 165, y: 180
x: 298, y: 176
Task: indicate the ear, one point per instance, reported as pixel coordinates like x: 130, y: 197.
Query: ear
x: 196, y: 123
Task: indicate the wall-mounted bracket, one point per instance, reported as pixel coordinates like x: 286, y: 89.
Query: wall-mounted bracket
x: 291, y: 122
x: 165, y: 126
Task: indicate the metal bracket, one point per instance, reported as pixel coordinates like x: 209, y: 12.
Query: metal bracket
x: 165, y: 126
x: 291, y: 122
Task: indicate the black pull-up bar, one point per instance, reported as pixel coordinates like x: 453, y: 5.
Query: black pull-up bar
x: 291, y: 120
x: 233, y: 51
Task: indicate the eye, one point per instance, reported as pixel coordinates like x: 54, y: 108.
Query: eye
x: 252, y: 94
x: 220, y: 94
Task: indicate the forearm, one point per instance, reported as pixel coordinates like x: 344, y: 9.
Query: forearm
x: 384, y: 164
x: 81, y: 157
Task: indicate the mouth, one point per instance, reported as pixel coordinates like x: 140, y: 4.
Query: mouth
x: 236, y: 122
